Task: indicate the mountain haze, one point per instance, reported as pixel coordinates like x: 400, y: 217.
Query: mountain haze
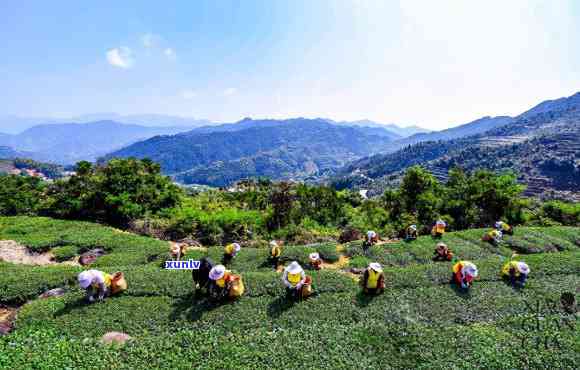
x: 68, y: 143
x: 403, y: 131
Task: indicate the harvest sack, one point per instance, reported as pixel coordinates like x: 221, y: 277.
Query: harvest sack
x: 307, y: 287
x: 118, y: 283
x: 237, y: 287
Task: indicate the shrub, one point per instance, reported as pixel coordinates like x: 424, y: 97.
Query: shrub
x: 65, y: 252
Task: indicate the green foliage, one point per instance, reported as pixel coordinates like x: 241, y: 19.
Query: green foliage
x: 211, y: 219
x: 490, y: 326
x: 65, y: 252
x: 20, y: 195
x: 115, y: 193
x: 562, y: 212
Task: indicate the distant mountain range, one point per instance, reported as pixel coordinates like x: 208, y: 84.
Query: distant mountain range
x: 280, y: 149
x: 68, y: 143
x: 475, y: 127
x: 15, y: 124
x: 7, y: 152
x: 542, y: 145
x: 403, y: 131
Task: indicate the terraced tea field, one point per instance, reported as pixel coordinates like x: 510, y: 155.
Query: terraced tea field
x: 421, y: 321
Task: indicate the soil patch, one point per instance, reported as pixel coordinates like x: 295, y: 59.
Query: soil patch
x: 7, y: 317
x: 11, y: 251
x: 341, y: 263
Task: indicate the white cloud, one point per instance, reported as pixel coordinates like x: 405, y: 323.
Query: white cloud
x: 170, y: 53
x: 230, y: 91
x: 188, y: 94
x: 150, y: 40
x: 120, y: 57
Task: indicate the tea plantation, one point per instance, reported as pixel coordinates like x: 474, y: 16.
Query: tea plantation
x: 421, y: 320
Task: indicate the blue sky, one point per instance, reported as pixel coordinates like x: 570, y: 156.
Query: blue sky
x: 432, y: 63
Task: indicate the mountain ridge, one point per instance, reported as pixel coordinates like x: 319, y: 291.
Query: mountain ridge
x: 268, y: 143
x: 535, y: 144
x: 67, y: 143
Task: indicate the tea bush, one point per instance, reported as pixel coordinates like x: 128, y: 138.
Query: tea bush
x: 420, y: 321
x: 65, y: 252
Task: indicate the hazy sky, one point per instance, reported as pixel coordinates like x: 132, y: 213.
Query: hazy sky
x: 432, y: 63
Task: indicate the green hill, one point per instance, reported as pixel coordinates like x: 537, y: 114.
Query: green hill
x: 279, y: 149
x: 541, y: 145
x: 420, y: 321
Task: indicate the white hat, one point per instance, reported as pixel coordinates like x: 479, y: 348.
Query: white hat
x: 273, y: 243
x: 294, y: 268
x: 441, y: 222
x: 470, y: 269
x: 314, y: 256
x: 371, y: 233
x: 413, y: 227
x: 441, y: 244
x: 498, y: 224
x: 85, y: 279
x: 376, y: 266
x: 523, y: 268
x: 217, y: 272
x: 237, y: 247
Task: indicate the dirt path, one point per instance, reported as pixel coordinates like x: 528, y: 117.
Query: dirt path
x: 11, y: 251
x: 341, y: 263
x: 7, y: 317
x: 187, y: 248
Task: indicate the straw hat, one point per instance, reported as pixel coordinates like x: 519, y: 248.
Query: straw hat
x: 85, y: 279
x: 376, y: 266
x: 294, y: 268
x: 217, y: 272
x: 314, y: 256
x: 523, y: 268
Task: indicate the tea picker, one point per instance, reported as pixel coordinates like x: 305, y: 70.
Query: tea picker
x: 464, y: 272
x: 438, y: 229
x: 275, y: 252
x: 516, y: 272
x: 372, y: 239
x: 99, y: 284
x: 224, y: 284
x: 315, y: 260
x: 298, y: 284
x: 411, y: 233
x: 230, y: 251
x: 373, y: 281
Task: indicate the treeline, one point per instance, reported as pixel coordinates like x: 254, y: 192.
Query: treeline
x: 115, y: 194
x: 130, y: 193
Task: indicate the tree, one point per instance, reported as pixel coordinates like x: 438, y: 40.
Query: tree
x: 281, y: 200
x: 20, y: 195
x: 115, y: 193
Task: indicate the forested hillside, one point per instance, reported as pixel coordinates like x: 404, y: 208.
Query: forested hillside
x: 541, y: 146
x: 290, y: 149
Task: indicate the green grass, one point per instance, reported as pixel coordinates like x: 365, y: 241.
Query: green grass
x: 421, y: 321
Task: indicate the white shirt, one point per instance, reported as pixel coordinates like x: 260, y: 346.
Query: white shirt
x: 97, y: 277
